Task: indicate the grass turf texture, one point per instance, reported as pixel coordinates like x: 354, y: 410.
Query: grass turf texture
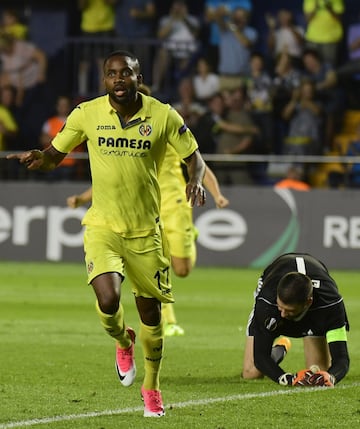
x: 57, y: 364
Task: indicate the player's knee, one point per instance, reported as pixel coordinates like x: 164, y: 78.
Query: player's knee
x: 109, y: 304
x: 149, y: 310
x: 251, y: 373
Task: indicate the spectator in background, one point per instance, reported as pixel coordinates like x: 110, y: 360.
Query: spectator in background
x: 212, y: 123
x: 12, y: 24
x: 239, y: 113
x: 259, y: 85
x: 303, y: 113
x: 97, y: 21
x: 206, y: 83
x: 294, y: 180
x: 349, y: 174
x: 186, y: 104
x: 8, y: 99
x: 8, y: 128
x: 211, y: 12
x: 24, y: 67
x: 67, y: 168
x: 246, y: 142
x: 352, y: 179
x: 207, y: 130
x: 284, y: 36
x: 324, y: 77
x: 353, y: 39
x: 287, y: 77
x: 178, y: 45
x: 348, y: 73
x: 135, y: 22
x: 324, y: 31
x: 237, y: 40
x: 8, y: 132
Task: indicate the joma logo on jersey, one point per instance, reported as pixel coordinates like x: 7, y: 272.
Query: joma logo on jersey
x: 124, y: 143
x: 105, y: 127
x: 145, y: 129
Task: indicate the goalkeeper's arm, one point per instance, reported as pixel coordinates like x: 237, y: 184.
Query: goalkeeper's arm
x: 340, y: 360
x: 263, y: 360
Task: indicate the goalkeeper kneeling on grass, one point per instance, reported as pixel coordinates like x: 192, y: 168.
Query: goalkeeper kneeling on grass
x: 296, y: 297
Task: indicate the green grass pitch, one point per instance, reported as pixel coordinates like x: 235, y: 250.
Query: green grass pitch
x: 57, y: 364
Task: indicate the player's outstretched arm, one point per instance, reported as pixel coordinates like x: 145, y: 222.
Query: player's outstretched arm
x: 75, y: 201
x: 43, y: 160
x: 212, y: 185
x: 195, y: 193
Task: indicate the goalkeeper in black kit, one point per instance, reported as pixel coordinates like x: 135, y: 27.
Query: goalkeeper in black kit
x: 296, y: 297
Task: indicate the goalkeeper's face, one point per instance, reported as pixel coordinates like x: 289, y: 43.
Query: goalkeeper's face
x: 293, y: 311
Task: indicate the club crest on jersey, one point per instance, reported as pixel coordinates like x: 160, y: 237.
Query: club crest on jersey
x: 145, y: 129
x: 271, y: 324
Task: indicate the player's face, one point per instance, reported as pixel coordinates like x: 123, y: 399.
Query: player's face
x: 291, y: 311
x: 121, y: 79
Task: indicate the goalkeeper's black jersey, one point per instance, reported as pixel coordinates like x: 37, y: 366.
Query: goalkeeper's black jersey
x: 327, y: 311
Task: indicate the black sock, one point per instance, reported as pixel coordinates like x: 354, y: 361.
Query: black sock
x: 278, y: 353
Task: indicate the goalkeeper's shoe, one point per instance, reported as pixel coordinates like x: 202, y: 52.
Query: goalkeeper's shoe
x: 153, y: 404
x: 125, y: 361
x: 173, y: 330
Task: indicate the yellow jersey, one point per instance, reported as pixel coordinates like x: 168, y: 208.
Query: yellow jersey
x: 98, y: 16
x: 8, y: 121
x: 324, y: 27
x: 125, y: 160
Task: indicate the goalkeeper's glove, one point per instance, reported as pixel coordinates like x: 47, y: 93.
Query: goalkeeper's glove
x: 306, y: 377
x: 322, y: 378
x: 286, y: 379
x: 301, y: 378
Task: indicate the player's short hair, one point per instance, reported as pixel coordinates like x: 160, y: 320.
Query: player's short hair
x: 294, y: 288
x: 123, y: 53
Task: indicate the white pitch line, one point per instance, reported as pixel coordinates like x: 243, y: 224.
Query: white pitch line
x: 207, y: 401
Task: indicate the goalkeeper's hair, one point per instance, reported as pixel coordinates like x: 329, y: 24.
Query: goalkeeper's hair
x: 294, y: 288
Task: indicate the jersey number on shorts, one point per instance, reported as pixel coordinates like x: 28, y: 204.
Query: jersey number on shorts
x: 165, y: 276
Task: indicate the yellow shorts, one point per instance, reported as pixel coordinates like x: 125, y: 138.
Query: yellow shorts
x: 145, y: 261
x: 180, y: 232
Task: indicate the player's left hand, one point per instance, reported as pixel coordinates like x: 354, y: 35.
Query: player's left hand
x: 195, y: 193
x: 221, y: 202
x: 322, y: 378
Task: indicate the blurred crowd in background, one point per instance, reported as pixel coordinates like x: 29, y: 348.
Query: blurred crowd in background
x: 248, y: 77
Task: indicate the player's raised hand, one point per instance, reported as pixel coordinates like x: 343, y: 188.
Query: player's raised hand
x: 32, y: 159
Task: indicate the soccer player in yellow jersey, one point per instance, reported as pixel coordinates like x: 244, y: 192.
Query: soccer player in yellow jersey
x: 127, y: 134
x: 178, y: 224
x: 176, y: 215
